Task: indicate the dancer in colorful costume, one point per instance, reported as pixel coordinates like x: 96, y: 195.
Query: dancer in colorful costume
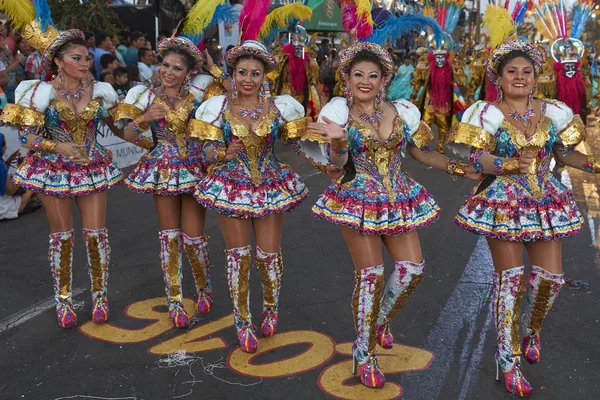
x: 172, y: 168
x: 375, y: 200
x: 567, y: 49
x: 58, y: 121
x: 438, y: 100
x: 245, y: 183
x: 520, y: 203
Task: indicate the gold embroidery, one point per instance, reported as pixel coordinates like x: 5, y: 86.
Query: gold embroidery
x: 574, y: 133
x: 516, y: 318
x: 77, y: 125
x: 144, y: 142
x: 172, y: 268
x: 214, y: 89
x: 245, y: 261
x: 177, y: 121
x: 473, y: 136
x: 253, y: 141
x: 63, y: 272
x: 268, y: 284
x: 125, y: 111
x: 198, y: 266
x: 416, y: 279
x: 541, y: 306
x: 96, y: 267
x: 204, y: 131
x: 355, y: 298
x: 298, y: 130
x: 423, y: 135
x: 15, y: 114
x: 372, y: 317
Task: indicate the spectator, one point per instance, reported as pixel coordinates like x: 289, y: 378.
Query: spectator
x: 11, y: 39
x: 91, y: 43
x: 14, y: 200
x: 163, y: 35
x: 133, y: 75
x: 24, y: 48
x: 116, y: 44
x: 34, y: 68
x: 104, y: 45
x: 147, y: 59
x: 121, y: 84
x: 11, y: 64
x: 137, y: 40
x: 3, y: 80
x: 323, y: 52
x: 109, y: 63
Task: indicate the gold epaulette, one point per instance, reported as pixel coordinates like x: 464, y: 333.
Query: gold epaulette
x: 14, y: 114
x: 574, y: 133
x: 422, y: 135
x: 125, y: 111
x: 473, y: 136
x: 204, y: 131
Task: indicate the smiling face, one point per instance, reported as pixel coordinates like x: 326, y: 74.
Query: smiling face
x: 249, y: 75
x: 365, y: 80
x: 75, y: 62
x: 518, y: 78
x: 173, y: 71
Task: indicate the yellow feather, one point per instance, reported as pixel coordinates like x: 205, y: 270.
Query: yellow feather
x: 363, y: 11
x: 280, y: 17
x: 200, y: 16
x: 499, y: 23
x: 19, y: 12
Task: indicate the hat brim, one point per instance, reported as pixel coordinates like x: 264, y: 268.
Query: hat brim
x: 498, y: 55
x: 241, y: 51
x: 184, y: 44
x: 347, y: 56
x: 63, y: 37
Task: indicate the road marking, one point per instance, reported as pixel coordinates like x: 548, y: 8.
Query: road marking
x: 30, y: 312
x: 466, y: 314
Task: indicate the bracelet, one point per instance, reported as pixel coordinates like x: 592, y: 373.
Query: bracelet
x: 139, y: 125
x: 456, y: 168
x: 37, y: 143
x: 565, y: 150
x: 218, y: 73
x: 591, y: 165
x: 475, y: 159
x: 506, y: 166
x: 48, y: 146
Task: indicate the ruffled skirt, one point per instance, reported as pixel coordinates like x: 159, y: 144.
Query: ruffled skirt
x: 231, y: 192
x: 164, y: 172
x: 506, y: 210
x: 365, y: 206
x: 55, y: 175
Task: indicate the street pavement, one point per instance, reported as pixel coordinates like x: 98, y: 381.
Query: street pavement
x: 444, y: 335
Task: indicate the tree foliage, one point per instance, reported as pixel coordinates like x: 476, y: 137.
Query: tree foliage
x: 92, y: 16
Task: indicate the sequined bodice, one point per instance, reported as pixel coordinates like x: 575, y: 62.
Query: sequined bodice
x: 374, y: 159
x: 173, y: 129
x: 63, y: 125
x: 258, y: 144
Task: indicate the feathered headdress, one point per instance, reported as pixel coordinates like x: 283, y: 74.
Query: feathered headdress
x: 553, y: 21
x: 447, y: 15
x: 356, y: 18
x: 502, y: 21
x: 396, y: 26
x: 281, y: 17
x: 34, y: 19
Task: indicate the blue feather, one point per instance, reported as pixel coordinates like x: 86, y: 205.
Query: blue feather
x: 395, y: 27
x: 225, y: 13
x: 42, y: 13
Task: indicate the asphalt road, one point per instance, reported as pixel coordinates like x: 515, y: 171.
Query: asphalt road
x: 445, y: 339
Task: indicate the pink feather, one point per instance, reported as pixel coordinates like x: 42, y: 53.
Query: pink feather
x: 349, y: 18
x: 363, y: 30
x: 252, y: 18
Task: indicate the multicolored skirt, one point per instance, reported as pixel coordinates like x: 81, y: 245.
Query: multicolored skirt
x: 231, y: 191
x: 364, y: 205
x: 164, y: 172
x: 507, y: 210
x: 55, y: 175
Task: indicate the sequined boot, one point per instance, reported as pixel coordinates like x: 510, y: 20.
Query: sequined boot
x: 400, y: 286
x: 197, y: 253
x: 98, y: 253
x: 238, y: 276
x: 60, y: 255
x: 366, y: 302
x: 171, y: 250
x: 506, y: 305
x: 544, y: 287
x: 270, y: 268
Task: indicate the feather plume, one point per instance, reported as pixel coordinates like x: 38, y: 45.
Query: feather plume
x: 394, y: 27
x: 363, y: 10
x: 280, y: 17
x: 200, y: 16
x: 499, y: 22
x: 252, y: 18
x: 42, y: 13
x: 20, y: 12
x: 349, y: 18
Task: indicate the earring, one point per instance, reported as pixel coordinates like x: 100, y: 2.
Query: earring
x: 348, y: 94
x: 60, y: 76
x: 500, y: 93
x: 186, y: 83
x: 380, y: 96
x: 233, y: 88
